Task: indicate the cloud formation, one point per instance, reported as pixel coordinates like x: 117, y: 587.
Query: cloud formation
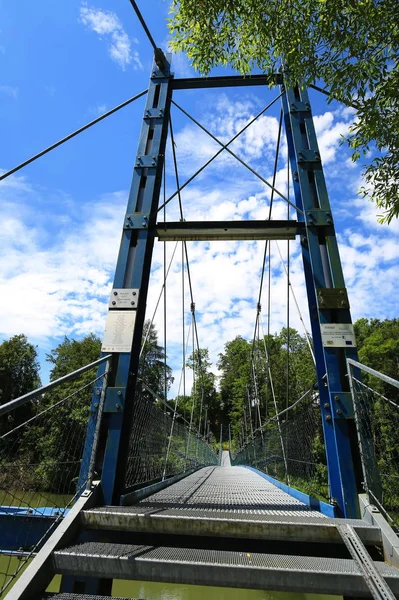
x: 9, y: 90
x: 108, y: 26
x: 56, y: 272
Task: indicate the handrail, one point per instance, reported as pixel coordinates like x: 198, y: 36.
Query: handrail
x: 385, y: 378
x: 13, y: 404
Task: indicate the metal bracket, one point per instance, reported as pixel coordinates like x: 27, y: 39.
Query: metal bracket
x: 318, y: 217
x: 341, y: 405
x: 145, y: 161
x: 154, y: 113
x: 299, y: 106
x: 309, y: 159
x: 331, y: 298
x: 158, y: 74
x: 124, y: 298
x: 114, y: 400
x: 135, y: 221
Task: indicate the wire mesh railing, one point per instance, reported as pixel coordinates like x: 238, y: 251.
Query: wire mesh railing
x: 161, y: 445
x: 290, y: 448
x: 42, y: 458
x: 376, y: 406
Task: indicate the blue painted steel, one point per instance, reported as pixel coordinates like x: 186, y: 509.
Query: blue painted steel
x: 323, y: 507
x: 133, y: 271
x: 21, y: 530
x: 323, y: 269
x: 91, y: 427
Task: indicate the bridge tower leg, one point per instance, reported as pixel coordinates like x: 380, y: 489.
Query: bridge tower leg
x: 125, y: 321
x: 330, y: 317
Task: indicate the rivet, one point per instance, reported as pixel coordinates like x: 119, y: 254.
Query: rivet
x: 117, y: 406
x: 328, y: 417
x: 96, y: 405
x: 115, y: 293
x: 326, y: 405
x: 134, y: 293
x: 336, y: 398
x: 339, y: 412
x: 119, y: 393
x: 113, y: 302
x: 132, y: 303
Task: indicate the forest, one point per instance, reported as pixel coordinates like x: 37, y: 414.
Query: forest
x: 254, y: 380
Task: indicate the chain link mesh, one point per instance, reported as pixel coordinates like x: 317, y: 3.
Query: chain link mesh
x: 291, y: 448
x: 41, y: 455
x: 376, y: 405
x: 161, y: 446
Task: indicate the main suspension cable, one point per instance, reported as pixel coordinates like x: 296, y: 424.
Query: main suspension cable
x: 160, y: 58
x: 71, y: 135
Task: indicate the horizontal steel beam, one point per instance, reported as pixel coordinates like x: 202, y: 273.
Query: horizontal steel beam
x: 228, y: 81
x: 228, y: 230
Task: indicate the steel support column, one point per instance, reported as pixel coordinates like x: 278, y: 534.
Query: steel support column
x: 327, y: 298
x: 132, y: 273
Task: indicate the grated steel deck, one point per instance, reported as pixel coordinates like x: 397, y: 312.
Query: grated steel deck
x: 226, y: 502
x: 234, y: 489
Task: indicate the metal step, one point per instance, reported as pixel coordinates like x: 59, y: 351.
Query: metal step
x: 219, y: 568
x: 224, y: 523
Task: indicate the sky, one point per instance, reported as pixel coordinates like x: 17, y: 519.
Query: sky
x: 63, y: 64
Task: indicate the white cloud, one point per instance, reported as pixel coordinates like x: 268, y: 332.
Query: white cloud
x: 107, y: 24
x: 9, y: 90
x: 56, y: 284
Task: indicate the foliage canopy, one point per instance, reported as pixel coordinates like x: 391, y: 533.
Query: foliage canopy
x: 352, y: 47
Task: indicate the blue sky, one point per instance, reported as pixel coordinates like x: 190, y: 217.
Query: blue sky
x: 64, y: 63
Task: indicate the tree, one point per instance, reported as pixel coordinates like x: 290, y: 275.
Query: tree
x: 54, y: 442
x: 19, y: 368
x: 378, y: 344
x: 352, y: 47
x: 234, y: 364
x: 153, y: 372
x: 248, y: 387
x: 71, y: 355
x: 204, y: 397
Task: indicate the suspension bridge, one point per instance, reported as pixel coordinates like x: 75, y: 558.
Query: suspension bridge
x: 306, y: 501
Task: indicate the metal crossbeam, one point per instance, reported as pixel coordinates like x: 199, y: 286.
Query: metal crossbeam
x: 195, y: 83
x: 192, y: 231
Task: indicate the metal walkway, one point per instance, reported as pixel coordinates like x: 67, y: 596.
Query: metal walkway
x: 225, y: 526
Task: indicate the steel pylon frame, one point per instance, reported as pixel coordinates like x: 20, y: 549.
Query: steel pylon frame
x: 327, y: 298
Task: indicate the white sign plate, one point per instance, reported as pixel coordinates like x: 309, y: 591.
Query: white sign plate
x: 124, y: 298
x: 119, y: 330
x: 338, y: 335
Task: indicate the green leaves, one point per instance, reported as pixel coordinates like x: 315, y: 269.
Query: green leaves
x: 352, y: 47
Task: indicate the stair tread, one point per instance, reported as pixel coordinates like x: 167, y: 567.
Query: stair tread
x: 266, y: 516
x: 312, y: 574
x: 217, y: 557
x: 249, y: 524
